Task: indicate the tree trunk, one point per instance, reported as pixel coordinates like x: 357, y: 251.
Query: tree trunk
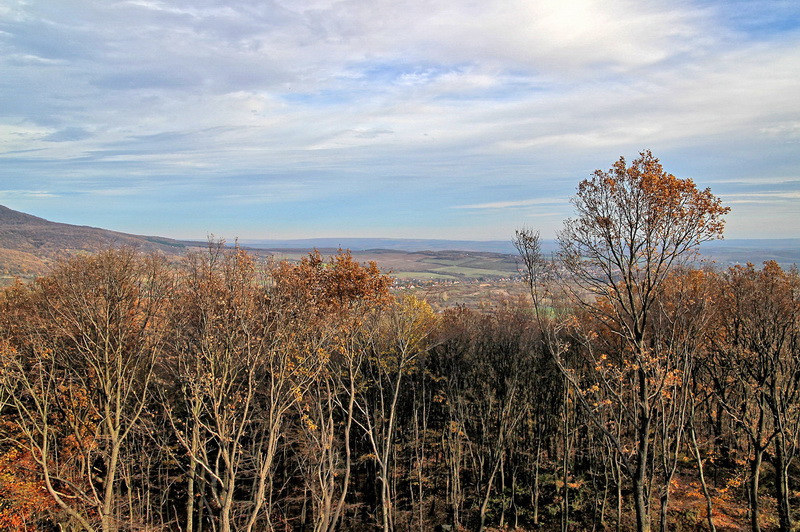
x: 190, y: 480
x: 755, y: 474
x: 663, y: 513
x: 535, y: 492
x: 706, y: 494
x: 782, y: 485
x: 227, y: 496
x: 488, y: 493
x: 264, y: 470
x: 108, y: 522
x: 618, y: 476
x: 337, y: 513
x: 643, y: 433
x: 502, y: 493
x: 642, y: 517
x: 565, y: 460
x: 386, y: 491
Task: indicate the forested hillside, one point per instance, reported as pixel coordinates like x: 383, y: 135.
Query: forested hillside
x: 29, y: 245
x: 223, y: 393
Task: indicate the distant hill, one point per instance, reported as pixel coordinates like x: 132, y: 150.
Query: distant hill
x: 29, y: 244
x: 395, y: 244
x: 784, y: 251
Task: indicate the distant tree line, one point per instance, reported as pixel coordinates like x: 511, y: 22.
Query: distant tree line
x: 631, y: 391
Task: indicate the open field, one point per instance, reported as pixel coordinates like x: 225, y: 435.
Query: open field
x: 473, y: 294
x: 421, y: 265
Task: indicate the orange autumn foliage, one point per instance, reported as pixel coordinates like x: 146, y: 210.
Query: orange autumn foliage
x: 24, y: 500
x: 332, y: 287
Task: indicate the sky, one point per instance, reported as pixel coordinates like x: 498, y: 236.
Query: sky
x: 455, y: 119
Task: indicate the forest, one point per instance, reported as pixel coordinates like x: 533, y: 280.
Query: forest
x: 634, y: 389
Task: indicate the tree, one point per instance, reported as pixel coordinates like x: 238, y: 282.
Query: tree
x: 633, y: 225
x: 679, y: 332
x: 86, y: 344
x: 241, y: 366
x: 757, y: 344
x: 488, y: 373
x: 402, y: 338
x: 334, y: 304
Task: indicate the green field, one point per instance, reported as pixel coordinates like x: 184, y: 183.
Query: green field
x: 466, y: 271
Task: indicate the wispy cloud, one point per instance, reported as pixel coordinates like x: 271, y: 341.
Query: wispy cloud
x: 763, y: 198
x: 16, y: 194
x: 511, y: 204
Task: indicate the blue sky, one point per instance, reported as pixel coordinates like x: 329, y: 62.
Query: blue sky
x: 460, y: 119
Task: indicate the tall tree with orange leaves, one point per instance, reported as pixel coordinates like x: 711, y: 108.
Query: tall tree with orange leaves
x: 634, y: 223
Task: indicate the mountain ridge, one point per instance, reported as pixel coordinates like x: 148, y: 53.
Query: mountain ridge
x: 30, y: 244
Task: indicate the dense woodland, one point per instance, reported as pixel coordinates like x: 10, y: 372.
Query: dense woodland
x: 632, y: 390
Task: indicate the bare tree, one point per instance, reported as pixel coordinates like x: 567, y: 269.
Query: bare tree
x: 401, y: 339
x: 240, y: 371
